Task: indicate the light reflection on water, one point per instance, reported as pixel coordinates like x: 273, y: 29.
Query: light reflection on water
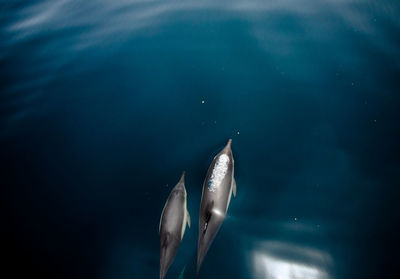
x: 266, y: 266
x: 280, y: 260
x: 98, y: 28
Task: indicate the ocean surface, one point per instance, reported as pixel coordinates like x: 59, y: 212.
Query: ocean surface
x: 104, y: 103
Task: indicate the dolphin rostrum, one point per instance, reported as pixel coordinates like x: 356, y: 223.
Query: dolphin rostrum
x: 172, y: 225
x: 217, y: 190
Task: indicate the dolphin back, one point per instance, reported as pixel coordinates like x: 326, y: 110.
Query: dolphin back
x: 217, y: 191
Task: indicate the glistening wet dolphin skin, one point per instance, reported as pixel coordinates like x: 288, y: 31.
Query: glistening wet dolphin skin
x: 217, y: 190
x: 172, y: 225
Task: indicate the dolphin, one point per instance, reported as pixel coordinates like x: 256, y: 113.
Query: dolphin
x: 217, y: 190
x: 172, y: 225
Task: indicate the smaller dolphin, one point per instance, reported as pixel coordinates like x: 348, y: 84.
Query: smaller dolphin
x: 172, y: 225
x: 217, y: 191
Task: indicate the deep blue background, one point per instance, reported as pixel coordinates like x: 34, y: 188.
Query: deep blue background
x: 104, y: 103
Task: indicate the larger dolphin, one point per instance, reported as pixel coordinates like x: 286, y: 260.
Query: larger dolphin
x: 172, y: 225
x: 217, y: 190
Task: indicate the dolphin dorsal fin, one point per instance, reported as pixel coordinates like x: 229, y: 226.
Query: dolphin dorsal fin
x: 234, y: 187
x: 188, y: 218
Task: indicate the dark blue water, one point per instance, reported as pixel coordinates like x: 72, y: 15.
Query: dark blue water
x: 104, y: 103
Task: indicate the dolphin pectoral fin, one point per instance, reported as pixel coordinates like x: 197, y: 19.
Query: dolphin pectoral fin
x: 234, y: 187
x: 188, y: 218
